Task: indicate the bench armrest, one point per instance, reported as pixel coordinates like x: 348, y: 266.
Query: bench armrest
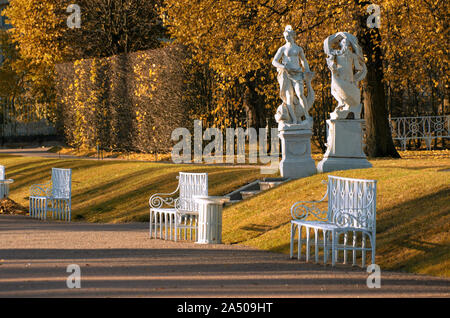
x: 41, y: 190
x: 157, y: 200
x: 302, y: 209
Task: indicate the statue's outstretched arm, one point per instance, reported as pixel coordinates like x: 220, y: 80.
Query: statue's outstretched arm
x: 277, y: 57
x: 331, y: 63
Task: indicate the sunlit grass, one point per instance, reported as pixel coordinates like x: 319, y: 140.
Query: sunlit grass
x: 413, y: 201
x: 116, y: 191
x: 413, y: 214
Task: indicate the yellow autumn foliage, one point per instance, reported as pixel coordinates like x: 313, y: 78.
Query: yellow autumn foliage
x: 238, y: 39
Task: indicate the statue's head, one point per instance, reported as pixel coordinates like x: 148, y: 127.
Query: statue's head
x: 289, y: 33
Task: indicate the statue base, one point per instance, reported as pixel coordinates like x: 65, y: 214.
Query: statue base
x: 296, y: 149
x: 347, y: 112
x: 344, y: 146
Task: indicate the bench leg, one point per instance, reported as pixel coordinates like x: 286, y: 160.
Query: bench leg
x: 333, y: 248
x: 160, y: 225
x: 30, y: 209
x: 170, y: 227
x: 316, y: 245
x: 150, y: 224
x: 177, y: 230
x: 307, y: 243
x: 345, y: 245
x: 291, y: 254
x: 363, y: 254
x: 165, y: 225
x: 299, y: 251
x: 373, y: 244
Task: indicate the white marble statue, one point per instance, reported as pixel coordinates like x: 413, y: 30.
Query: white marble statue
x: 291, y: 78
x: 346, y: 62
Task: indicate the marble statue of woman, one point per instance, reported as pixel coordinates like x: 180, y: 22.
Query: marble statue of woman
x: 346, y: 62
x: 291, y: 78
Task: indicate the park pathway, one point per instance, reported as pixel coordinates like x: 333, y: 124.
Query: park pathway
x: 119, y: 260
x: 37, y: 152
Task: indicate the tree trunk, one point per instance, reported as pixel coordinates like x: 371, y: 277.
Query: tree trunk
x: 253, y: 106
x: 379, y: 141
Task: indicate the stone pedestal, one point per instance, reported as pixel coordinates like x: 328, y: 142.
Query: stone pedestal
x: 210, y: 219
x: 296, y: 149
x: 344, y: 146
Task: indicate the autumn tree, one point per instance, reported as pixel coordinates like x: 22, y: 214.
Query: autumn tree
x: 10, y: 79
x: 416, y: 55
x: 379, y: 141
x: 38, y: 28
x: 108, y: 27
x: 238, y: 39
x: 111, y: 27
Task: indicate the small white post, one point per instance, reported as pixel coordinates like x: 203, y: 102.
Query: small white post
x: 210, y: 219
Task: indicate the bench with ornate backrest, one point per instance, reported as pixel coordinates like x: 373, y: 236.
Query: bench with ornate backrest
x: 54, y: 196
x: 351, y: 210
x: 177, y: 217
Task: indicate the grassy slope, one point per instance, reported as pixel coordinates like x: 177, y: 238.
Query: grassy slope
x: 413, y: 219
x: 413, y: 214
x: 116, y: 191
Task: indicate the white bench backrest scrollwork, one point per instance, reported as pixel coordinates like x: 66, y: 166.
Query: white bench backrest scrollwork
x: 352, y: 202
x: 190, y: 185
x: 61, y: 183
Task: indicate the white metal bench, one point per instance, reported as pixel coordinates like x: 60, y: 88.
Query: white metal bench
x: 178, y: 217
x: 4, y: 183
x: 351, y: 210
x: 55, y: 196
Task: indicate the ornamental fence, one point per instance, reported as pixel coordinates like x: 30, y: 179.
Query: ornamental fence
x: 417, y: 129
x: 23, y: 121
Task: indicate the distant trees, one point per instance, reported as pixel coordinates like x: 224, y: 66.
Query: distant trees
x: 232, y: 43
x: 126, y: 102
x: 111, y: 27
x: 43, y: 38
x: 10, y: 79
x: 36, y: 33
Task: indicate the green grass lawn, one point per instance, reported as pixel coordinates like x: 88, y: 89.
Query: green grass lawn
x: 413, y: 202
x: 413, y: 214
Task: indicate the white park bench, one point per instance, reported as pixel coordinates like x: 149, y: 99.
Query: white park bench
x: 176, y: 216
x: 4, y: 183
x: 351, y: 210
x: 54, y: 196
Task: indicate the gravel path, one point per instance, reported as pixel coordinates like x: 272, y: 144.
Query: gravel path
x: 119, y: 260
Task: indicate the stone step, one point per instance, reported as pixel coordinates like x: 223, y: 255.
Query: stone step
x: 231, y: 202
x: 253, y: 188
x: 248, y: 194
x: 266, y: 185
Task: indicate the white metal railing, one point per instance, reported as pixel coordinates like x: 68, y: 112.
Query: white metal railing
x: 426, y: 128
x: 23, y: 120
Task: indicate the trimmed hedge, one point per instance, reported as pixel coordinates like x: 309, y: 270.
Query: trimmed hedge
x: 125, y: 102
